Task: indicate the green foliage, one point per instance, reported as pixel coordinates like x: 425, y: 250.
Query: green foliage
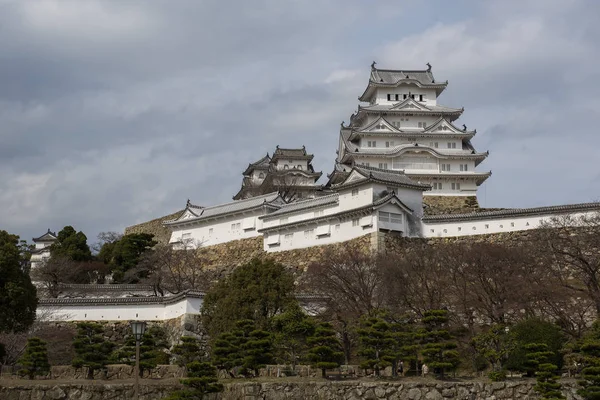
x: 124, y: 254
x: 438, y: 349
x: 152, y: 350
x: 187, y: 351
x: 18, y: 300
x: 91, y: 348
x: 71, y: 245
x: 258, y: 291
x: 201, y: 380
x: 495, y: 345
x: 534, y: 331
x: 589, y: 348
x: 376, y: 343
x: 245, y: 347
x: 34, y: 361
x: 538, y: 358
x: 292, y: 328
x: 325, y: 351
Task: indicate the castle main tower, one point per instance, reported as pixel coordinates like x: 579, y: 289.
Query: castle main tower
x: 402, y: 127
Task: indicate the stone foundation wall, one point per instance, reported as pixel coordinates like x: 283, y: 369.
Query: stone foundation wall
x: 227, y: 256
x: 161, y: 233
x: 317, y: 390
x: 449, y: 204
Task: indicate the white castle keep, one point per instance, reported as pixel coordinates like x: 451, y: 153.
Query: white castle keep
x: 398, y: 149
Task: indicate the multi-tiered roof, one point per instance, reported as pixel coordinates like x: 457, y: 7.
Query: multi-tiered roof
x: 289, y: 172
x: 404, y: 128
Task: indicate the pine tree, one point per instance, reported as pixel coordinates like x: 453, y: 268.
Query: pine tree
x: 590, y: 350
x: 244, y: 347
x: 292, y: 328
x: 438, y: 348
x: 404, y: 348
x: 538, y: 357
x: 495, y: 345
x: 201, y: 380
x: 34, y: 361
x: 152, y: 350
x: 325, y: 352
x: 91, y: 348
x: 376, y: 343
x: 187, y: 351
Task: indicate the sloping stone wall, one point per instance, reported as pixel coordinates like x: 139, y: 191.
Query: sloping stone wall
x: 449, y: 204
x: 227, y: 256
x: 318, y: 390
x: 161, y: 233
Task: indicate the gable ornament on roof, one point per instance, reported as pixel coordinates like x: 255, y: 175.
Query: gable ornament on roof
x: 428, y: 67
x: 373, y: 65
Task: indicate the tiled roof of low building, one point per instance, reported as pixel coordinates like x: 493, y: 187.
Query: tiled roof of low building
x: 304, y: 204
x: 513, y: 212
x: 232, y: 207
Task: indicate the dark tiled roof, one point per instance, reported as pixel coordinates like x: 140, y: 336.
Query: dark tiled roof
x: 514, y: 212
x: 46, y: 237
x: 235, y: 206
x: 304, y: 204
x: 263, y: 163
x: 292, y: 154
x: 389, y: 176
x: 102, y: 301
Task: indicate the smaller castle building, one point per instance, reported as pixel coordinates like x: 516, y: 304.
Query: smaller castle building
x: 41, y: 253
x: 289, y: 172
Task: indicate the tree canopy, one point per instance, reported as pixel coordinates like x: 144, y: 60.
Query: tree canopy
x: 258, y: 291
x: 124, y: 254
x: 18, y: 299
x: 71, y: 244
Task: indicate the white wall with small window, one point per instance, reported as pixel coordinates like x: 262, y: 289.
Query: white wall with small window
x: 218, y: 230
x: 485, y: 226
x: 387, y: 95
x: 391, y: 218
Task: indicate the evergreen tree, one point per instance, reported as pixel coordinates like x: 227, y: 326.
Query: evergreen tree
x: 589, y: 348
x: 438, y: 348
x: 292, y: 328
x: 91, y: 348
x: 404, y: 348
x: 494, y: 346
x: 34, y: 361
x: 538, y: 357
x: 201, y: 380
x: 245, y: 347
x: 187, y: 351
x: 18, y: 300
x: 124, y: 254
x: 258, y: 291
x: 72, y: 245
x: 153, y: 348
x: 376, y: 343
x: 325, y: 351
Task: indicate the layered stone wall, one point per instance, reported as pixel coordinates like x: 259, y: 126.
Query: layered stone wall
x: 161, y: 233
x: 449, y: 204
x: 299, y: 390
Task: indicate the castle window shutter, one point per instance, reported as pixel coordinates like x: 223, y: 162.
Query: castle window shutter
x: 323, y: 230
x: 366, y: 220
x: 273, y: 239
x: 249, y: 223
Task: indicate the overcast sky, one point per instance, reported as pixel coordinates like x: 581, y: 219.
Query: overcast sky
x: 116, y: 112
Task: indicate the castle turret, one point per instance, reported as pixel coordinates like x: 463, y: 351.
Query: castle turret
x: 404, y: 128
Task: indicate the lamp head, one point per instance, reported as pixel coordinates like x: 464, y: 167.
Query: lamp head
x: 138, y: 328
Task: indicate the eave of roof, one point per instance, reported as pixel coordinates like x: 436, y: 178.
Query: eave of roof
x: 384, y: 176
x: 515, y: 212
x: 303, y: 205
x: 479, y: 177
x: 346, y: 213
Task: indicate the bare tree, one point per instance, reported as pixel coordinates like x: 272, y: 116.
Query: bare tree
x: 173, y: 271
x: 58, y: 270
x: 573, y: 245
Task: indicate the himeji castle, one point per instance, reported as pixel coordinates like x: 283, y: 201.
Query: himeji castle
x: 400, y: 152
x: 403, y: 128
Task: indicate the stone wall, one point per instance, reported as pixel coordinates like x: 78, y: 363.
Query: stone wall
x: 299, y: 390
x: 227, y: 256
x: 449, y: 204
x: 161, y: 233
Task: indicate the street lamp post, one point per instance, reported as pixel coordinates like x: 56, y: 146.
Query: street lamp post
x: 138, y: 328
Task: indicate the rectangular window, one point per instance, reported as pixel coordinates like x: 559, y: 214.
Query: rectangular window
x: 420, y: 97
x: 456, y: 186
x: 384, y: 216
x: 395, y: 218
x: 462, y: 166
x: 186, y: 236
x: 383, y: 165
x: 451, y: 145
x: 354, y: 192
x: 355, y: 222
x: 397, y: 98
x: 445, y: 167
x: 371, y: 143
x: 288, y: 236
x: 420, y: 124
x: 210, y: 231
x: 366, y: 164
x: 389, y: 97
x: 337, y: 227
x: 389, y: 144
x: 405, y: 96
